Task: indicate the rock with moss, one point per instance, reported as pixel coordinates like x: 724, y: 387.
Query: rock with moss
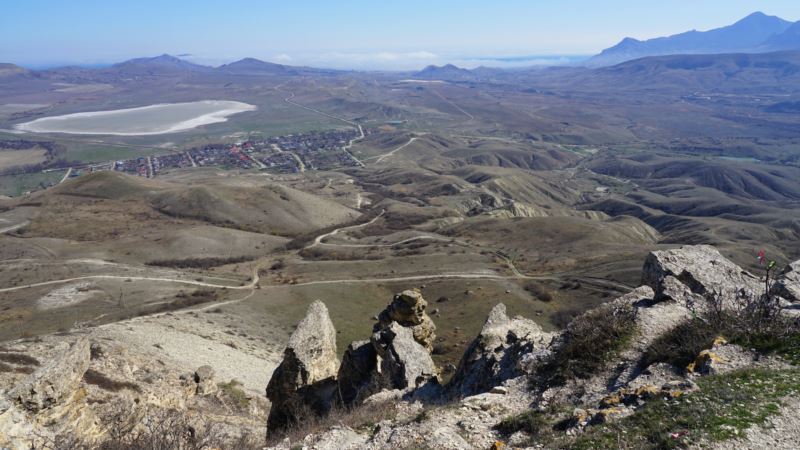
x: 305, y: 380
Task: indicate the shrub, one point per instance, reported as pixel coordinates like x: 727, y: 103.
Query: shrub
x: 531, y: 421
x: 681, y: 345
x: 199, y: 263
x: 538, y: 291
x: 357, y: 417
x: 233, y: 391
x: 589, y: 342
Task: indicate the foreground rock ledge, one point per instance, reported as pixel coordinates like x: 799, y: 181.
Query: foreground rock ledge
x: 55, y: 381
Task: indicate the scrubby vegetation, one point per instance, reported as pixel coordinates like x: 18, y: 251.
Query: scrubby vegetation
x: 233, y: 391
x: 538, y: 291
x: 723, y: 408
x: 199, y: 263
x: 589, y: 342
x: 362, y: 417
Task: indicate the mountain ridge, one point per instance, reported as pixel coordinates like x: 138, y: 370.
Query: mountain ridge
x: 748, y: 35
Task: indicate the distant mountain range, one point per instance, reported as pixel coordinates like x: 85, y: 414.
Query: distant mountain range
x: 756, y: 33
x: 160, y: 66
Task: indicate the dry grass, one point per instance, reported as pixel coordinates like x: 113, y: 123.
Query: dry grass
x: 365, y: 416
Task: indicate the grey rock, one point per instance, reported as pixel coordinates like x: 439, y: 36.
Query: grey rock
x: 788, y: 283
x: 355, y: 376
x: 408, y: 309
x: 305, y: 380
x: 495, y: 355
x: 701, y: 268
x: 204, y: 378
x: 402, y: 362
x: 54, y: 381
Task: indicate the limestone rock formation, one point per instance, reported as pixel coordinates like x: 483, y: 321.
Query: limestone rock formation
x: 355, y: 375
x: 403, y: 363
x: 408, y: 309
x: 700, y: 267
x: 494, y: 356
x: 788, y: 284
x: 204, y: 378
x: 54, y: 381
x: 306, y: 378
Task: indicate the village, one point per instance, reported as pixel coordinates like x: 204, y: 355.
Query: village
x: 293, y: 153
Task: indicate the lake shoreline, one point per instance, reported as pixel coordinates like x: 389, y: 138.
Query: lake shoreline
x: 188, y: 121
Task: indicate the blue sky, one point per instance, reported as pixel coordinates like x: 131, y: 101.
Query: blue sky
x: 374, y: 34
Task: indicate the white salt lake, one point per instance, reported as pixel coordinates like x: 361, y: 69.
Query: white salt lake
x: 145, y: 120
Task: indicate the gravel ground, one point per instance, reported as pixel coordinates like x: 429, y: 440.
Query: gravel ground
x: 190, y: 342
x: 782, y: 432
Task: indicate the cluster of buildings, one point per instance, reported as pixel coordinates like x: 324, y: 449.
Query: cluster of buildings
x: 284, y: 154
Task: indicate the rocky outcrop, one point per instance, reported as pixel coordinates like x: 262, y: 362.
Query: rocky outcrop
x: 204, y: 379
x: 54, y: 381
x: 402, y: 362
x: 495, y: 355
x: 788, y: 283
x: 305, y: 381
x: 355, y: 376
x: 397, y: 356
x: 701, y: 268
x: 493, y: 375
x: 408, y: 309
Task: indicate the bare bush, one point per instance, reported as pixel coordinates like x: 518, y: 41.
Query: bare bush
x: 358, y: 417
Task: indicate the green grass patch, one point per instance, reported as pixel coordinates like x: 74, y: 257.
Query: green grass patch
x: 16, y: 185
x: 723, y: 408
x: 785, y: 347
x: 96, y: 153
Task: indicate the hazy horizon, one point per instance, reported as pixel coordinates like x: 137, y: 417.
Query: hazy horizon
x: 350, y: 35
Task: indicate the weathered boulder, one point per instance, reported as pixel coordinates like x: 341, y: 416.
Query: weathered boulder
x: 408, y: 309
x: 355, y: 378
x: 701, y: 268
x: 494, y: 356
x: 204, y: 378
x: 305, y: 381
x: 54, y: 381
x: 402, y: 362
x: 788, y: 283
